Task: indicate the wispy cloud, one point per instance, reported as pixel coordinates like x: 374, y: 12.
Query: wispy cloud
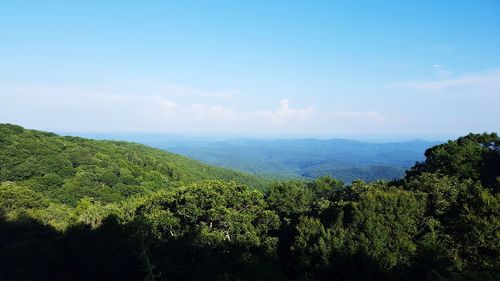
x: 285, y: 114
x: 484, y: 83
x: 177, y: 90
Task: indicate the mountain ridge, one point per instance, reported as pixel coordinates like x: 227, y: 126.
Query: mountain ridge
x: 69, y: 168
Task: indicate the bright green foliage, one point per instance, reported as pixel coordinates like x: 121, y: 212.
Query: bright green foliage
x: 59, y: 216
x: 15, y: 197
x: 223, y: 211
x: 441, y: 192
x: 198, y: 228
x: 326, y: 191
x: 67, y: 169
x: 478, y: 230
x: 89, y: 212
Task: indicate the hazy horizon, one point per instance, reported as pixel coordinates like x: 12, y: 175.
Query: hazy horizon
x: 234, y: 137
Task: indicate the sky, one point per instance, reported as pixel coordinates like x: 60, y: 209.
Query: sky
x: 252, y: 68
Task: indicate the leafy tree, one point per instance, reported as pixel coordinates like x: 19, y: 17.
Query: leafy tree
x: 312, y: 247
x: 199, y: 228
x: 15, y: 197
x: 382, y: 224
x: 289, y: 199
x: 475, y: 156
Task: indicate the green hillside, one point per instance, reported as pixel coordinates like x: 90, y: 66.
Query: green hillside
x: 67, y: 169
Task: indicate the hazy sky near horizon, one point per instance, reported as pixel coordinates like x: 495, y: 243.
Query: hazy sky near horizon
x: 254, y: 68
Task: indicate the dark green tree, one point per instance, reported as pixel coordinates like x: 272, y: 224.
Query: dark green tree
x: 475, y: 156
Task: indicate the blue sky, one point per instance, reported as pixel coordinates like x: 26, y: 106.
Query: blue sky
x: 253, y: 68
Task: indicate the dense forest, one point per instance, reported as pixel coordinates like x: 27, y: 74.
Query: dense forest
x: 80, y: 209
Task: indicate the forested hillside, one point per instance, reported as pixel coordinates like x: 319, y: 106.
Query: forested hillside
x: 77, y: 209
x: 66, y: 169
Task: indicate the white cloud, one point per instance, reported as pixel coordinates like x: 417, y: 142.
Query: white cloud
x: 162, y: 107
x: 442, y: 73
x: 481, y: 83
x: 285, y: 114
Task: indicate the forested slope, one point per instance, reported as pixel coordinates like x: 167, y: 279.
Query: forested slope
x: 440, y: 222
x: 66, y: 169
